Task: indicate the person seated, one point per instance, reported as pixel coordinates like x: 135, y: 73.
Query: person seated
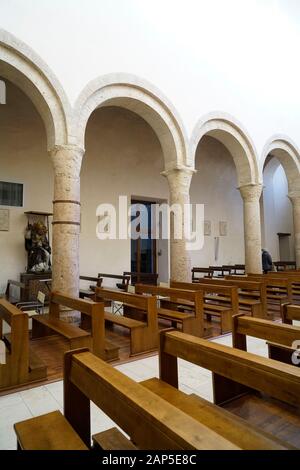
x: 267, y: 263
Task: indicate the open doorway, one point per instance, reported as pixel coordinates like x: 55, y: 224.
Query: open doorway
x: 149, y: 252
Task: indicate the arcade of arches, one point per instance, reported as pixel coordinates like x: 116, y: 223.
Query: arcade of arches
x: 125, y: 155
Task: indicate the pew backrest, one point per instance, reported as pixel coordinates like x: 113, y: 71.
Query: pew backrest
x: 149, y: 420
x: 17, y: 363
x: 123, y: 285
x: 95, y: 310
x: 147, y: 304
x: 212, y: 286
x: 237, y: 367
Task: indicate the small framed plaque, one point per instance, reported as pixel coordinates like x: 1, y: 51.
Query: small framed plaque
x: 207, y: 228
x: 4, y: 220
x: 223, y: 228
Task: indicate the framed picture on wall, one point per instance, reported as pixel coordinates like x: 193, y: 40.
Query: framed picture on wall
x: 4, y: 220
x: 207, y: 228
x: 223, y: 228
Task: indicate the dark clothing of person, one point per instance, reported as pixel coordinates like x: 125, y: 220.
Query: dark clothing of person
x: 267, y: 263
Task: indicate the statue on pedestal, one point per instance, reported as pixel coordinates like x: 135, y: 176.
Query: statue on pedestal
x: 37, y: 247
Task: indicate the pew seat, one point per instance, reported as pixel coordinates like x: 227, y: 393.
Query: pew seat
x: 249, y: 305
x: 45, y: 325
x: 220, y: 311
x: 112, y: 439
x: 48, y: 432
x: 126, y: 322
x: 269, y: 415
x: 234, y: 428
x: 187, y: 321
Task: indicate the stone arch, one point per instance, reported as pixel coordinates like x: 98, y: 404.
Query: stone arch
x: 288, y: 155
x: 231, y: 134
x: 137, y: 95
x: 25, y: 69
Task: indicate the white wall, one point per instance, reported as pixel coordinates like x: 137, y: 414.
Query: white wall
x: 215, y: 186
x: 278, y: 213
x: 23, y: 159
x: 233, y: 56
x: 123, y: 157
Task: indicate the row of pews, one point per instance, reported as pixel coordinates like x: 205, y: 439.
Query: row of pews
x: 256, y: 399
x: 184, y: 306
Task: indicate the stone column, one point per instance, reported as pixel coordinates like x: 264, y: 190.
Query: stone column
x: 252, y: 227
x: 179, y: 185
x: 66, y: 218
x: 295, y: 200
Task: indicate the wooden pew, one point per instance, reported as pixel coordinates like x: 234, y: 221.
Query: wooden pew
x: 285, y: 265
x: 290, y: 312
x: 278, y: 290
x: 175, y: 303
x: 150, y: 421
x: 8, y: 295
x: 144, y: 331
x: 92, y: 317
x: 123, y: 285
x: 89, y: 293
x: 239, y: 269
x: 280, y: 337
x: 212, y: 305
x: 293, y: 277
x: 21, y: 366
x: 263, y: 391
x: 207, y: 272
x: 256, y: 307
x: 142, y: 278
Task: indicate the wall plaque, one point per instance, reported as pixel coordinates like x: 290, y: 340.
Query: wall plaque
x: 4, y: 220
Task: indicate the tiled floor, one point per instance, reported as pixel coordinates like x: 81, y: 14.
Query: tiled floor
x: 36, y: 401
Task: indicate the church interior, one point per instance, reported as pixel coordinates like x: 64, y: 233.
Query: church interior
x: 149, y: 225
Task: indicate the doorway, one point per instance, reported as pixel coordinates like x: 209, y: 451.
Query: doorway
x: 143, y: 245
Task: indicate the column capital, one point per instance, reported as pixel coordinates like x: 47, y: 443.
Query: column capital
x: 179, y: 178
x: 251, y: 192
x: 67, y: 159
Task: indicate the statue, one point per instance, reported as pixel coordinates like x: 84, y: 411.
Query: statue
x: 38, y: 248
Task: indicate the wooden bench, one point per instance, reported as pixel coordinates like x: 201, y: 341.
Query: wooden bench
x: 92, y: 318
x: 89, y: 293
x: 279, y: 337
x: 21, y: 366
x: 285, y: 265
x: 142, y: 278
x: 149, y: 420
x: 153, y: 414
x: 123, y: 285
x: 12, y: 285
x: 252, y: 294
x: 47, y: 432
x: 144, y: 330
x: 212, y: 305
x: 278, y: 290
x: 206, y: 272
x: 263, y: 391
x: 180, y: 307
x: 293, y: 277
